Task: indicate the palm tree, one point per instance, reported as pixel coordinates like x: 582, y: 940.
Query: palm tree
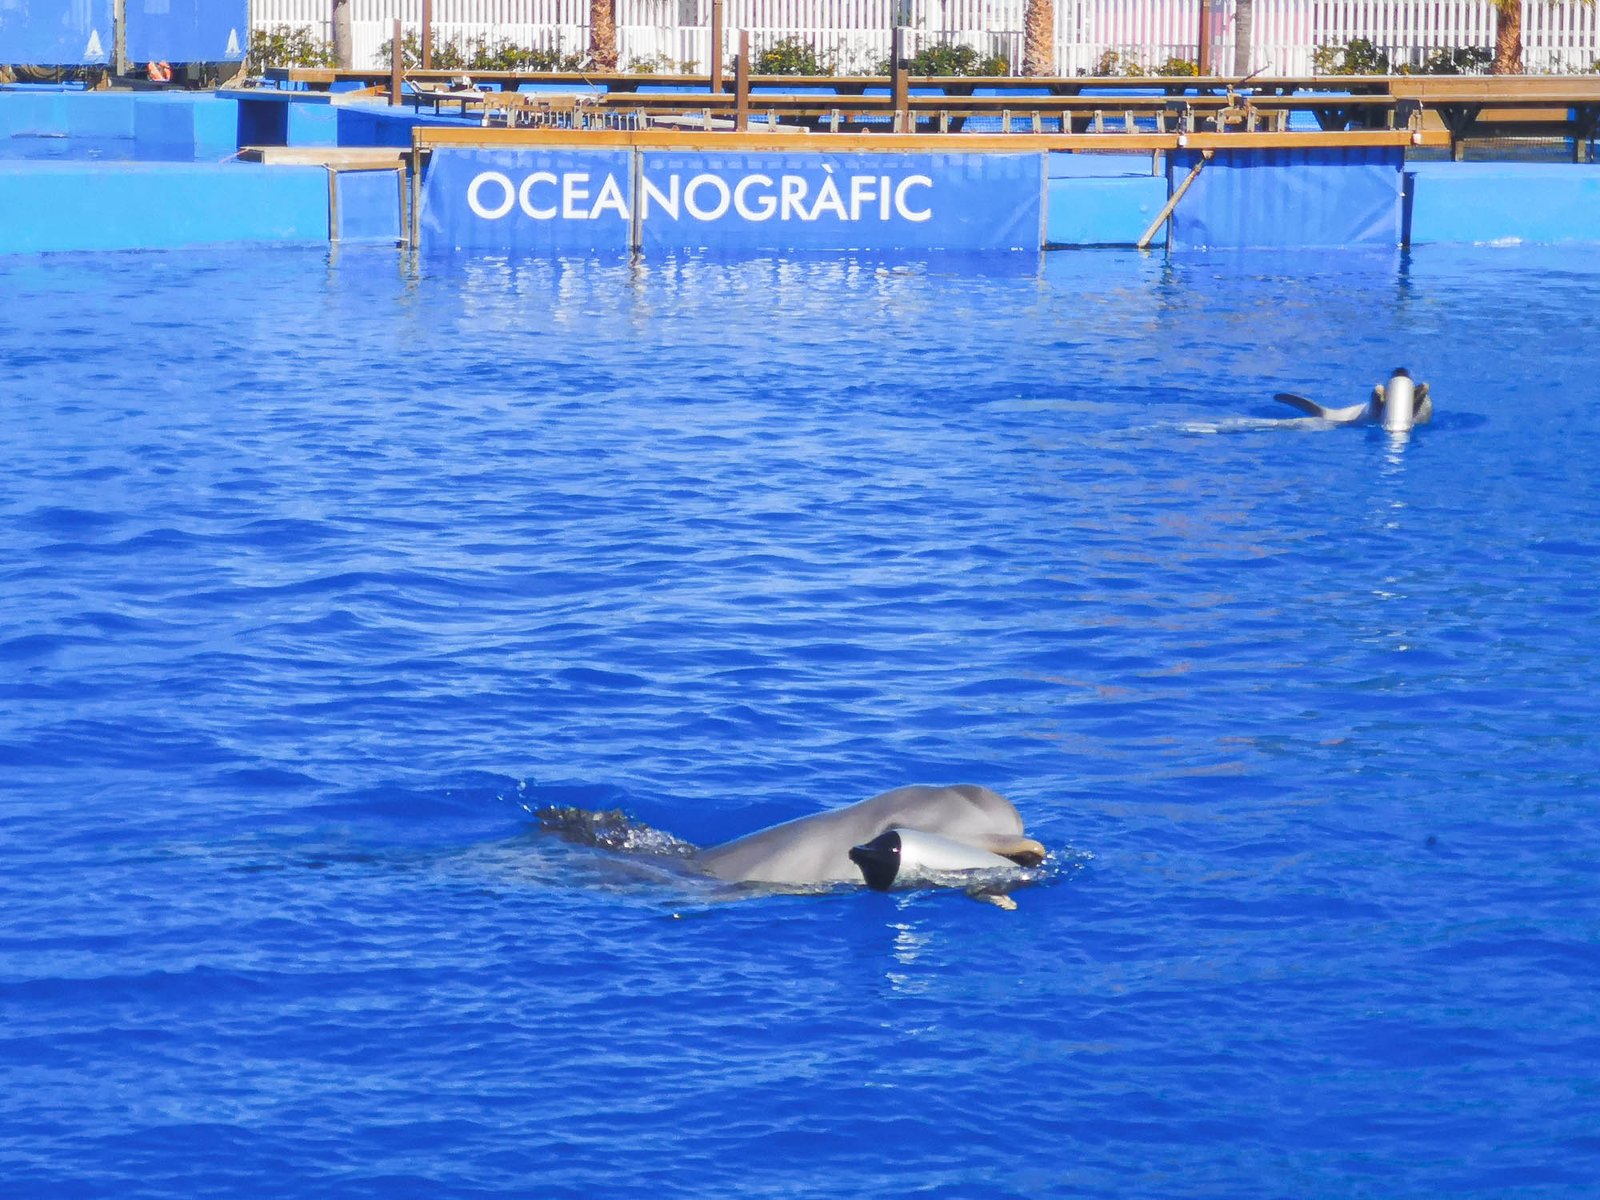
x: 1507, y: 38
x: 603, y: 34
x: 1244, y: 26
x: 1039, y: 38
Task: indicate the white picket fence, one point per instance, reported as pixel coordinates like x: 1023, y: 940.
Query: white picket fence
x: 854, y: 35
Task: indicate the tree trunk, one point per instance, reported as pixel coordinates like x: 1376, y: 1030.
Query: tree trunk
x: 1244, y: 26
x: 1507, y: 38
x: 1039, y: 38
x: 343, y: 44
x: 603, y: 34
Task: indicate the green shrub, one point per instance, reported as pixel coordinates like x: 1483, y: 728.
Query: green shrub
x: 1178, y: 68
x: 946, y: 59
x: 1470, y: 60
x: 1356, y: 57
x: 791, y: 56
x: 478, y: 54
x: 1110, y: 64
x: 287, y: 46
x: 660, y: 64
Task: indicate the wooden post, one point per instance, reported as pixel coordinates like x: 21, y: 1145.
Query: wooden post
x: 1202, y: 63
x: 427, y: 35
x: 397, y: 69
x: 716, y: 45
x: 900, y: 84
x: 741, y: 84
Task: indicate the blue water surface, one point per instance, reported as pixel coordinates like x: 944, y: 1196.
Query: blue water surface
x: 319, y: 575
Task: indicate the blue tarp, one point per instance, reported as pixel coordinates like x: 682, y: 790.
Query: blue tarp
x: 1307, y: 198
x: 187, y: 30
x: 56, y: 32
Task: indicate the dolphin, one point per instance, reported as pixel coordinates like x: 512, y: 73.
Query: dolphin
x: 962, y: 827
x: 1396, y: 405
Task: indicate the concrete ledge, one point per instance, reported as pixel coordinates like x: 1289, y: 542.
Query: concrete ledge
x: 1482, y: 203
x: 134, y: 206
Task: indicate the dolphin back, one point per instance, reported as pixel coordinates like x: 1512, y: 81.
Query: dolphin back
x: 816, y: 849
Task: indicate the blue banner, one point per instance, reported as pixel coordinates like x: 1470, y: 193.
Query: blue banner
x: 519, y: 200
x: 739, y: 201
x: 803, y: 200
x: 56, y: 33
x: 186, y: 30
x: 1265, y: 198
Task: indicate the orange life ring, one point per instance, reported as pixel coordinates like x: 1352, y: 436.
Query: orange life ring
x: 159, y: 72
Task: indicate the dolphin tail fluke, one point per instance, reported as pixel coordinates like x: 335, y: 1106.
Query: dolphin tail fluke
x: 1311, y: 408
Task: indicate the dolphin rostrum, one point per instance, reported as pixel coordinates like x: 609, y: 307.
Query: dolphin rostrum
x: 1396, y: 405
x: 936, y: 829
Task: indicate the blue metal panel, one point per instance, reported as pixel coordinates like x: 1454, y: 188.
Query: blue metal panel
x: 187, y: 30
x: 56, y: 32
x: 1103, y: 212
x: 522, y: 200
x: 1306, y: 198
x: 1504, y: 202
x: 368, y: 207
x: 756, y: 201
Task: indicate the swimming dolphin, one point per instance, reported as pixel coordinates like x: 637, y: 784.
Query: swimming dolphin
x: 1396, y: 405
x: 941, y: 829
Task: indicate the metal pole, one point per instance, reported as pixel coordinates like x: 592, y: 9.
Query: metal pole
x: 427, y: 35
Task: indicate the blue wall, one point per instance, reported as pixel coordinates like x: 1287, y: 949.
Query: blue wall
x: 1252, y: 198
x: 187, y: 30
x: 1503, y: 202
x: 130, y: 206
x: 155, y: 126
x: 1102, y: 199
x: 57, y: 32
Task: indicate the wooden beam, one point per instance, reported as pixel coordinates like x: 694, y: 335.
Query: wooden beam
x: 396, y: 64
x: 429, y: 136
x: 716, y: 45
x: 741, y: 84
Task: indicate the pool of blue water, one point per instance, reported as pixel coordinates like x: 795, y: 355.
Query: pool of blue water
x: 319, y: 575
